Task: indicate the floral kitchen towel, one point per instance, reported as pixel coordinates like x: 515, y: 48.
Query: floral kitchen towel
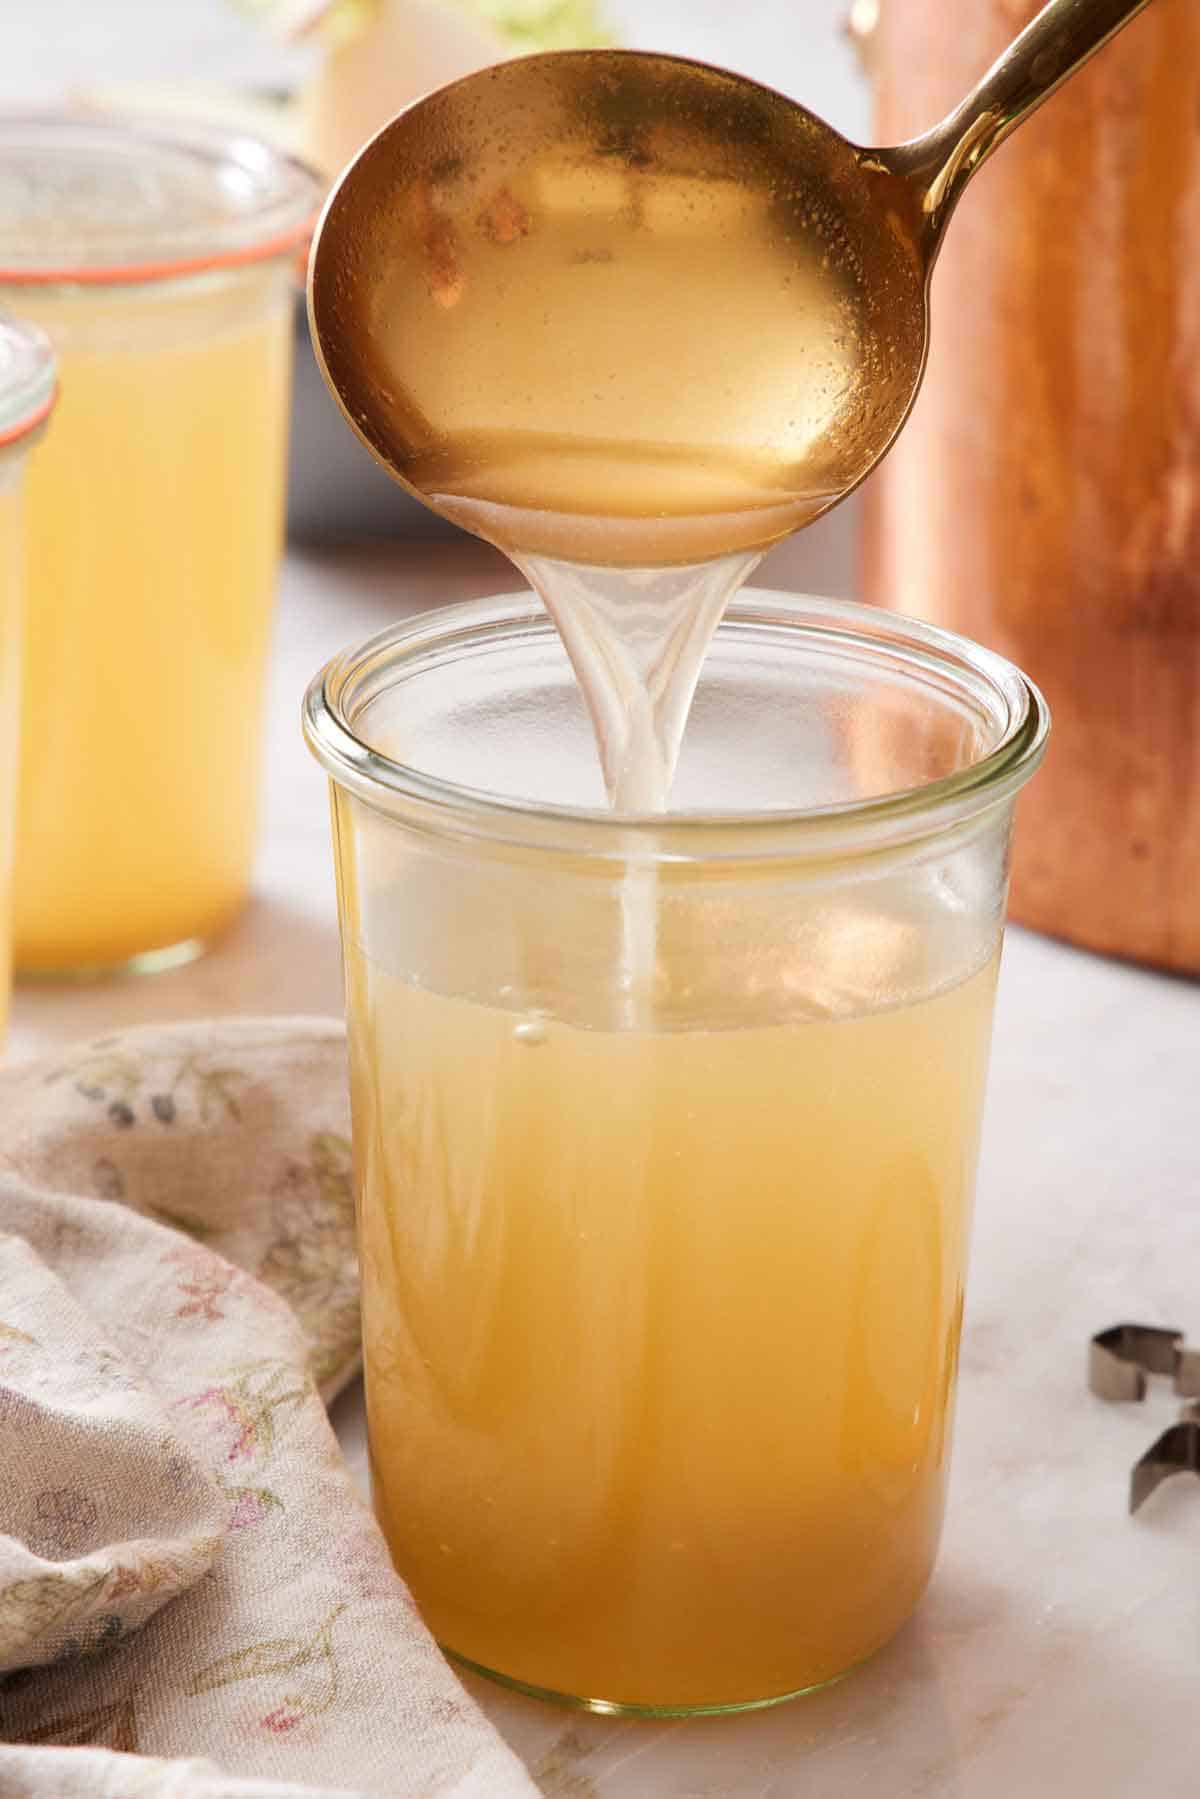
x: 194, y: 1601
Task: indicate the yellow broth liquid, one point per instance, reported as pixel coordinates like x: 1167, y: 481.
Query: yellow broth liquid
x: 154, y: 521
x: 661, y: 1329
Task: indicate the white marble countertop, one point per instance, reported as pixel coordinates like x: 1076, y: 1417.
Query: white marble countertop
x: 1059, y: 1648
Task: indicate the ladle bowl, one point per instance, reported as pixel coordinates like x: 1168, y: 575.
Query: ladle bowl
x: 628, y: 308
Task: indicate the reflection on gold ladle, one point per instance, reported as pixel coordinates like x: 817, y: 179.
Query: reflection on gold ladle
x: 623, y: 308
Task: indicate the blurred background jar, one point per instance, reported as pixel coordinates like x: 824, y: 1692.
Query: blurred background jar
x: 1045, y: 498
x: 161, y: 263
x: 375, y: 56
x: 26, y: 398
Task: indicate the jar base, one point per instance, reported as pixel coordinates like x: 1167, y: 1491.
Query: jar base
x: 151, y: 961
x: 620, y: 1708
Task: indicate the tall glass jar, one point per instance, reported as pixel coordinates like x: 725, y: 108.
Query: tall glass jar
x: 160, y: 262
x: 665, y: 1134
x: 1045, y: 496
x: 26, y: 398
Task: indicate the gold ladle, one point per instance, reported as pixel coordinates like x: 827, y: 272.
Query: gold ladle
x: 627, y: 308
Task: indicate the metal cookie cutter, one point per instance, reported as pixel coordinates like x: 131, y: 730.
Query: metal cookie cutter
x: 1120, y: 1360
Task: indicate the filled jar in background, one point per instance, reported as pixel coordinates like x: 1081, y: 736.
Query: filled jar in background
x: 26, y: 398
x: 665, y: 1133
x: 160, y: 262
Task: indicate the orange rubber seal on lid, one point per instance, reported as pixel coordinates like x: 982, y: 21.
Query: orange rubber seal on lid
x: 31, y: 421
x: 120, y: 274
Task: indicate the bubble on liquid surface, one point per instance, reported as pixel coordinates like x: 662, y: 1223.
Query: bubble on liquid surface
x: 532, y: 1031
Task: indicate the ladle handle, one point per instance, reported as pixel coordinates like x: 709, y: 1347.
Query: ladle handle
x: 1052, y: 46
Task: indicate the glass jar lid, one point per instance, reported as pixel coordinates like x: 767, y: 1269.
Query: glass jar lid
x: 27, y: 378
x: 104, y: 199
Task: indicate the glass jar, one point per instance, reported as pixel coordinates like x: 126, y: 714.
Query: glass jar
x: 665, y: 1133
x: 26, y: 398
x: 160, y: 262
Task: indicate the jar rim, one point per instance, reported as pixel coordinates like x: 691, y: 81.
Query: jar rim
x: 155, y: 199
x: 28, y: 377
x: 857, y: 826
